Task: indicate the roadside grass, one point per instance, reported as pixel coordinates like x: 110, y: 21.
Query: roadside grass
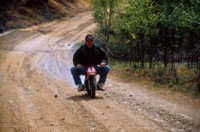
x: 180, y: 79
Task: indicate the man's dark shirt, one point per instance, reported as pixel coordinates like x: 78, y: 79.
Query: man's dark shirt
x: 89, y: 56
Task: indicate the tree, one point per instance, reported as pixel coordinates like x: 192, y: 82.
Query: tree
x: 139, y: 25
x: 104, y: 13
x: 151, y: 30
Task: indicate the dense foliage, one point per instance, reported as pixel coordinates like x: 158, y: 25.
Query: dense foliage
x: 151, y: 31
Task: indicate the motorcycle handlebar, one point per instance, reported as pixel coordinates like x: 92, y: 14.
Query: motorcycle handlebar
x: 89, y: 66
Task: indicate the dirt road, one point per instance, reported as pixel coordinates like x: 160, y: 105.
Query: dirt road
x: 37, y: 93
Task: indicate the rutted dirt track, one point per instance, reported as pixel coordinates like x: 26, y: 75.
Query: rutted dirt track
x: 37, y: 93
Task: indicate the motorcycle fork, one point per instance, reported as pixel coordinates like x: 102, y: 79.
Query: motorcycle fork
x: 90, y: 78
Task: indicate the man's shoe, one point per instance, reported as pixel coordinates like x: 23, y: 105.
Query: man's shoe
x: 100, y: 86
x: 80, y: 87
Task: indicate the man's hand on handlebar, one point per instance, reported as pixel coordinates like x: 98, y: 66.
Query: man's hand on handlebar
x: 79, y: 66
x: 103, y: 64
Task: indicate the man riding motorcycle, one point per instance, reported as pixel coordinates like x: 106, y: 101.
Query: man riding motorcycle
x: 89, y: 54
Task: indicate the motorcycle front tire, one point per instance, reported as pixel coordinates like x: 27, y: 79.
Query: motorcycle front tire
x: 93, y: 86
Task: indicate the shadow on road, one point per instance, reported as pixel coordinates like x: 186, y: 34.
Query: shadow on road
x: 83, y: 97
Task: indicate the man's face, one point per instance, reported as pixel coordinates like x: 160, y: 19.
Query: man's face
x: 89, y: 43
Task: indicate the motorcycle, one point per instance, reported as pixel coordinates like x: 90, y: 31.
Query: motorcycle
x: 90, y: 83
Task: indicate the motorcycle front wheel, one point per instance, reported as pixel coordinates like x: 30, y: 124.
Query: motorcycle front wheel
x: 87, y: 87
x: 93, y: 86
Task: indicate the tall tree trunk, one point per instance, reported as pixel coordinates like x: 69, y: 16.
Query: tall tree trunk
x: 190, y: 49
x: 188, y: 61
x: 166, y: 42
x: 151, y: 53
x: 173, y: 39
x: 172, y: 59
x: 165, y: 58
x: 142, y: 54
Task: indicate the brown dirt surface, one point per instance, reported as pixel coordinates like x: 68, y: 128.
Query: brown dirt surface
x: 37, y: 92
